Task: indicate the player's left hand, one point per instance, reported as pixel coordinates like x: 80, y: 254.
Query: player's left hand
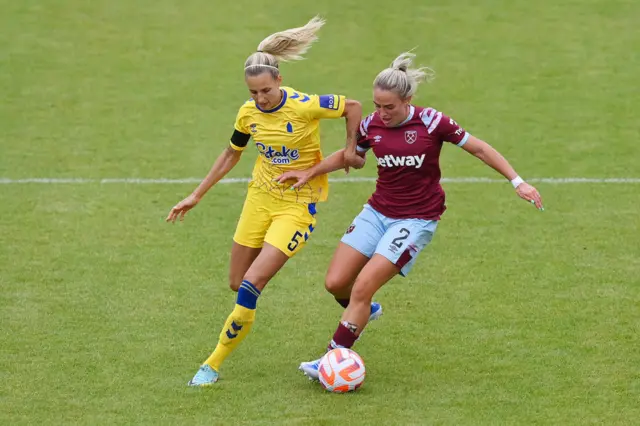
x: 352, y: 159
x: 301, y: 176
x: 529, y: 193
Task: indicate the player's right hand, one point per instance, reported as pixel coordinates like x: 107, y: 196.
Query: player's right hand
x: 182, y: 208
x: 301, y: 176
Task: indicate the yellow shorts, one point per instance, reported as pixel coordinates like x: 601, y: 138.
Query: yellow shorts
x: 285, y: 225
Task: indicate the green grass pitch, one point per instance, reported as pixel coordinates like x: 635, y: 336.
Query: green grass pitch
x: 511, y: 316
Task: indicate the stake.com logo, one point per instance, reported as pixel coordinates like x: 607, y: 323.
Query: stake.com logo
x: 284, y: 156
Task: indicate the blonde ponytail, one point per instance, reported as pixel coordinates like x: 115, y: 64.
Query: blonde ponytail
x: 401, y: 78
x: 287, y: 45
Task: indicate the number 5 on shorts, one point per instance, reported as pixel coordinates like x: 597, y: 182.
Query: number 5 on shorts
x: 294, y: 241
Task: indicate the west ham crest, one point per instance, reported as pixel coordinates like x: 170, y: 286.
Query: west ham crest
x: 410, y: 136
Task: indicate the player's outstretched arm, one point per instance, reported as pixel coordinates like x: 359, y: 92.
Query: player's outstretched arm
x: 353, y: 114
x: 491, y: 157
x: 223, y: 164
x: 330, y: 164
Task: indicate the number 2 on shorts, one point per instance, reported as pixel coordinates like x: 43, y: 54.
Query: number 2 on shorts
x: 398, y: 240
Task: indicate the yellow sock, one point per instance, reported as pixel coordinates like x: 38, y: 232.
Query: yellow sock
x: 237, y: 326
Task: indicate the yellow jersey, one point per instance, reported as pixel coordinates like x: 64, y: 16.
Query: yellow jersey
x: 288, y: 138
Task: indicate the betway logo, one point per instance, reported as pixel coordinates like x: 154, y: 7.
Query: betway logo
x: 284, y: 156
x: 408, y: 160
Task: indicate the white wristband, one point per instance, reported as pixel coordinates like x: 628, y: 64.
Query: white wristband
x: 516, y: 181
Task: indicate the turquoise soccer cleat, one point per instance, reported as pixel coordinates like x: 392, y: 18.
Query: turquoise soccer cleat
x: 206, y: 376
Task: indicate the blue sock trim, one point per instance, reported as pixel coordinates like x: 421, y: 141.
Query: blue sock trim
x: 247, y: 295
x: 250, y: 287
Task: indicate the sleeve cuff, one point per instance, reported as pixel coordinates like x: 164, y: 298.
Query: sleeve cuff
x: 236, y: 147
x: 464, y: 140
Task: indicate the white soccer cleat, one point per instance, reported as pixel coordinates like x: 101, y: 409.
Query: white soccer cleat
x: 310, y: 369
x: 376, y: 311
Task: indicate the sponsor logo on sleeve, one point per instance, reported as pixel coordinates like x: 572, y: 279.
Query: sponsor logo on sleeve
x: 329, y: 102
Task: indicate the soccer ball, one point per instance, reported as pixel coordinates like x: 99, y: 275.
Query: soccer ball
x: 341, y: 370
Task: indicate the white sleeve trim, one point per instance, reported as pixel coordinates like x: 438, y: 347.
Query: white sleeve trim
x: 364, y: 124
x: 435, y: 122
x: 360, y: 149
x: 464, y: 140
x: 427, y: 116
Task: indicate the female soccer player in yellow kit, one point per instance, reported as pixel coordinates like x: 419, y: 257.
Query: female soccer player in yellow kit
x: 276, y: 221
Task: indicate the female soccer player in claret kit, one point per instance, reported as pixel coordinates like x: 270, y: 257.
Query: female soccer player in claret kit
x: 402, y: 215
x: 275, y: 222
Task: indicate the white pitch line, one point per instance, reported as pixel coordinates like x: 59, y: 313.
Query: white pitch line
x: 161, y: 181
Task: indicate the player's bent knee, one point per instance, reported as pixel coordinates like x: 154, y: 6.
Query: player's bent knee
x: 234, y: 284
x: 361, y: 293
x: 235, y: 280
x: 335, y: 283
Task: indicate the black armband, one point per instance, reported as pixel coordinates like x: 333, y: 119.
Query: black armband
x: 240, y: 139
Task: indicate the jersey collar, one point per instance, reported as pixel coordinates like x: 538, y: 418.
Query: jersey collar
x: 280, y: 105
x: 412, y: 110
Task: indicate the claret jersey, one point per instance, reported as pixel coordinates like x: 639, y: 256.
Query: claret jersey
x: 408, y: 184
